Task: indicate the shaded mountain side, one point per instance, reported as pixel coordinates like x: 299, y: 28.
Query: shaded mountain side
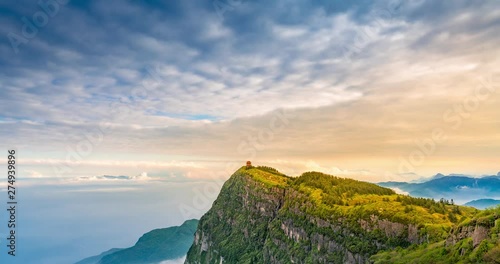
x: 96, y: 259
x: 263, y: 216
x: 483, y: 203
x: 153, y: 247
x: 157, y: 245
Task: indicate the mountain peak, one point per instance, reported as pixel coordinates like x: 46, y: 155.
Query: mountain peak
x: 437, y: 176
x: 261, y: 215
x: 267, y: 175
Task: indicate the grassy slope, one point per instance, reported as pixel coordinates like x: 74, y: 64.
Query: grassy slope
x: 336, y: 198
x: 346, y: 196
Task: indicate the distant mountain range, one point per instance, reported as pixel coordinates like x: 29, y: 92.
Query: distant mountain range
x: 483, y: 203
x: 460, y: 188
x: 153, y: 247
x: 96, y: 259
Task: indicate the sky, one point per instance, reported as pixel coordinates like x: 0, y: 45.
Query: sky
x: 65, y: 223
x: 182, y: 93
x: 372, y: 90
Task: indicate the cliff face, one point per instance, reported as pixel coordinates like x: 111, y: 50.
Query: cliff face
x: 262, y: 216
x: 473, y: 240
x: 237, y: 225
x: 476, y: 233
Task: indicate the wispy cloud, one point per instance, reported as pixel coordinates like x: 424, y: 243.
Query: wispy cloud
x: 32, y: 174
x: 104, y: 190
x: 364, y: 79
x: 174, y: 261
x: 142, y: 177
x: 399, y: 191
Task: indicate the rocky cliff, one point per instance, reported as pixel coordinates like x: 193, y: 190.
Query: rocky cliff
x: 263, y: 216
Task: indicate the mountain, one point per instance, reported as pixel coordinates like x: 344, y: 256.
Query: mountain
x: 264, y: 216
x: 457, y: 187
x: 483, y: 203
x: 95, y: 259
x: 153, y: 247
x: 437, y: 176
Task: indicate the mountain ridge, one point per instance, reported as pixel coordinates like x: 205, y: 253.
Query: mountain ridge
x: 152, y: 247
x: 97, y: 258
x: 263, y: 216
x: 483, y: 203
x: 460, y: 188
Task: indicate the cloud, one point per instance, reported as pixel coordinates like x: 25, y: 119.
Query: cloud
x: 174, y: 261
x: 364, y: 79
x: 142, y: 177
x: 117, y: 163
x: 103, y: 190
x: 399, y: 191
x: 33, y: 174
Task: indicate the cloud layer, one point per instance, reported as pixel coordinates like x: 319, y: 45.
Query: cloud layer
x: 365, y: 86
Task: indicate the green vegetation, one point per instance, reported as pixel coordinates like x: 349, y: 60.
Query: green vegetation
x: 487, y: 250
x: 353, y: 200
x: 269, y: 176
x: 264, y: 216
